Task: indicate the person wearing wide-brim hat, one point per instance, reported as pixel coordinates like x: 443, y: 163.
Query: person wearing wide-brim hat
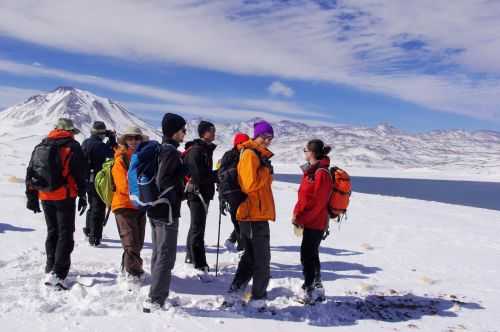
x: 58, y: 193
x: 96, y: 152
x: 131, y: 222
x: 132, y: 131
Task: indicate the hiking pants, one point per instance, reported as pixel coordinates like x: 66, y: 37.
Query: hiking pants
x: 164, y: 237
x: 256, y: 258
x: 60, y: 219
x: 309, y: 256
x: 195, y: 243
x: 95, y: 216
x: 131, y: 225
x: 235, y: 234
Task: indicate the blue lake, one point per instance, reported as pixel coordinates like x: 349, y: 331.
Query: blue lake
x: 484, y: 195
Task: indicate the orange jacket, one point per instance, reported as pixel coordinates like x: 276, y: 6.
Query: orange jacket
x: 255, y: 180
x: 121, y: 199
x: 67, y: 155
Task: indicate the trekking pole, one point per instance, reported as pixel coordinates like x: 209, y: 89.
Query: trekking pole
x: 218, y: 245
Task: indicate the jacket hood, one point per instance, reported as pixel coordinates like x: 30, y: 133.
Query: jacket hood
x: 251, y: 144
x: 60, y: 134
x: 310, y: 170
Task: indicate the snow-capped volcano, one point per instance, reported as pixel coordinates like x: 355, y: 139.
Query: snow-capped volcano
x: 38, y: 114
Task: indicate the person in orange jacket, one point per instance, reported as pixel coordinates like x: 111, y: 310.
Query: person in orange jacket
x: 56, y: 175
x: 131, y: 222
x: 255, y: 175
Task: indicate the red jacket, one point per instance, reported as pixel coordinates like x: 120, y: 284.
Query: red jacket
x: 311, y: 210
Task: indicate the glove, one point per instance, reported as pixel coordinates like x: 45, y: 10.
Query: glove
x: 267, y: 163
x: 224, y: 207
x: 192, y: 188
x: 33, y: 204
x: 298, y: 230
x: 82, y: 204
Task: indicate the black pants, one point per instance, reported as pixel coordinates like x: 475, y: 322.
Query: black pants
x: 309, y: 256
x: 235, y: 234
x: 95, y: 216
x: 195, y: 244
x: 60, y: 219
x: 256, y: 258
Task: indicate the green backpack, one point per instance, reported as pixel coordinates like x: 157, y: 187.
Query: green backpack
x: 103, y: 182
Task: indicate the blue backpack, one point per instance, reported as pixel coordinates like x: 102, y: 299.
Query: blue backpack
x: 143, y: 189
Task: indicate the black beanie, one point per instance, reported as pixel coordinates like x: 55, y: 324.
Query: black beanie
x: 204, y: 126
x: 171, y: 124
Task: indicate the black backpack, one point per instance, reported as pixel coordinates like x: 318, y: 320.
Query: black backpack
x: 229, y: 186
x: 45, y: 170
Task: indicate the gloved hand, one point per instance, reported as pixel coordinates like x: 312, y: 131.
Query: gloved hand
x: 298, y: 230
x: 82, y: 204
x: 224, y: 207
x: 267, y: 163
x: 33, y: 204
x: 192, y: 188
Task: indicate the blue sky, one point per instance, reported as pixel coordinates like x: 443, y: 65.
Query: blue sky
x: 418, y: 66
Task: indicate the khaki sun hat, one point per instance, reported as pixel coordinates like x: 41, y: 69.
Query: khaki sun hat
x: 132, y: 131
x: 66, y: 124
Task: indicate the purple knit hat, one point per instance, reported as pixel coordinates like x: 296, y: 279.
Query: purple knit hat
x: 262, y: 128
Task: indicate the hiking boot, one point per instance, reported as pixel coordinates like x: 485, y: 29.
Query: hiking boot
x: 318, y: 293
x: 52, y: 280
x: 148, y: 306
x: 258, y: 304
x: 230, y: 245
x: 203, y: 274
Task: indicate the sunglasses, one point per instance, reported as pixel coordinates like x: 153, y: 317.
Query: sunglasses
x: 184, y: 130
x: 135, y: 137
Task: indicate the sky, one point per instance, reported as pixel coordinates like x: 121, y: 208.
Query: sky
x: 417, y: 65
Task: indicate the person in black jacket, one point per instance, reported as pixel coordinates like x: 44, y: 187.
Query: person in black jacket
x: 171, y: 172
x: 96, y: 152
x: 200, y: 190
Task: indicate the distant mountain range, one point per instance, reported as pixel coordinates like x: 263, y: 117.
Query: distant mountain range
x: 382, y: 147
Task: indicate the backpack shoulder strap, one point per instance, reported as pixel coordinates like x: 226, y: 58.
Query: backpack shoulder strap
x: 125, y: 160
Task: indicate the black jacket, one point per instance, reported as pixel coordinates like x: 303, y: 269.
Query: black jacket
x: 171, y: 172
x: 199, y: 163
x: 96, y: 152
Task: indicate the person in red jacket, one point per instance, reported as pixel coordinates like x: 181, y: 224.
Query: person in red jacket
x: 311, y: 214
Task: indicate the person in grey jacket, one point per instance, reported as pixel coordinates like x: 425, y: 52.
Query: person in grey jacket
x: 171, y: 172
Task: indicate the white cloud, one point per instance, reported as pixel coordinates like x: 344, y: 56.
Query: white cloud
x: 168, y: 97
x: 357, y: 43
x: 277, y: 88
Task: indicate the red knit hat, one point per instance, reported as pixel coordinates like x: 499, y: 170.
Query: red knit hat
x: 240, y: 138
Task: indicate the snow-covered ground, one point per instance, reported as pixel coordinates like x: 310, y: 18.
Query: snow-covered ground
x: 395, y: 265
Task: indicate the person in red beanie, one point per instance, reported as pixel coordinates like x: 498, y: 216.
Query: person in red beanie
x: 229, y: 194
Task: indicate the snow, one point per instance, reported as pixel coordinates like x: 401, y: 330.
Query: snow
x: 434, y: 264
x: 396, y: 264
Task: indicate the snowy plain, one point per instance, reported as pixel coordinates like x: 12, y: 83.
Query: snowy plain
x: 395, y: 265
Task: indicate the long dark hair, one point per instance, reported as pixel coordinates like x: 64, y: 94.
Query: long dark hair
x: 318, y: 148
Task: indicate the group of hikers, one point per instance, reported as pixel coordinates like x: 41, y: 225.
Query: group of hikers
x: 61, y: 170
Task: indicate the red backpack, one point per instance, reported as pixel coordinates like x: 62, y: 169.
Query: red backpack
x: 341, y: 193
